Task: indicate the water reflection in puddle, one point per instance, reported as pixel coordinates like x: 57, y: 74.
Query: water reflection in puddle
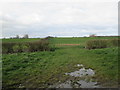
x: 89, y: 84
x: 81, y: 72
x: 79, y: 83
x: 67, y: 84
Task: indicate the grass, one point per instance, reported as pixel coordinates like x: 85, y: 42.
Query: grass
x: 41, y: 69
x: 77, y: 40
x: 20, y: 40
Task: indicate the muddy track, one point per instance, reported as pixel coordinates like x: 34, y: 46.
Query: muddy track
x: 67, y: 44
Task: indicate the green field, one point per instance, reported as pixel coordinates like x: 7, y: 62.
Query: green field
x: 20, y: 40
x: 41, y: 69
x: 77, y: 40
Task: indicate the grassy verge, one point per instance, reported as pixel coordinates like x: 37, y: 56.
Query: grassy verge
x: 41, y: 69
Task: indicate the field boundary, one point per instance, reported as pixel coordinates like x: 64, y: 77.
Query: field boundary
x: 67, y: 44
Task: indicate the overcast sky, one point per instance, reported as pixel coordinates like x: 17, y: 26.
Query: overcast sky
x: 59, y: 18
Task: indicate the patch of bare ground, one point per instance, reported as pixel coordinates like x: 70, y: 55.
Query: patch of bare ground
x: 67, y: 44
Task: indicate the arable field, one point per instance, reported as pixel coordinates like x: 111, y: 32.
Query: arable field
x: 46, y: 68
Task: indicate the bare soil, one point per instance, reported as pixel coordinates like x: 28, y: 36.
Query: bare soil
x: 67, y: 44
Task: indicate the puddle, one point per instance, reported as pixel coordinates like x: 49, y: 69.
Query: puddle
x: 81, y: 72
x: 89, y: 84
x: 79, y: 83
x: 67, y: 84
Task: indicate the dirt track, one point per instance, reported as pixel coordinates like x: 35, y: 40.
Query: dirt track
x: 67, y: 44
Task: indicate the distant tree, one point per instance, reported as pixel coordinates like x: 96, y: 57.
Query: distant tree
x: 17, y: 36
x: 26, y: 36
x: 49, y: 37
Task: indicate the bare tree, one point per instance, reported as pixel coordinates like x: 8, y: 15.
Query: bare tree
x: 26, y: 36
x: 17, y: 36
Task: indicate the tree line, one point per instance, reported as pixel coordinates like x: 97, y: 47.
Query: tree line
x: 18, y: 37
